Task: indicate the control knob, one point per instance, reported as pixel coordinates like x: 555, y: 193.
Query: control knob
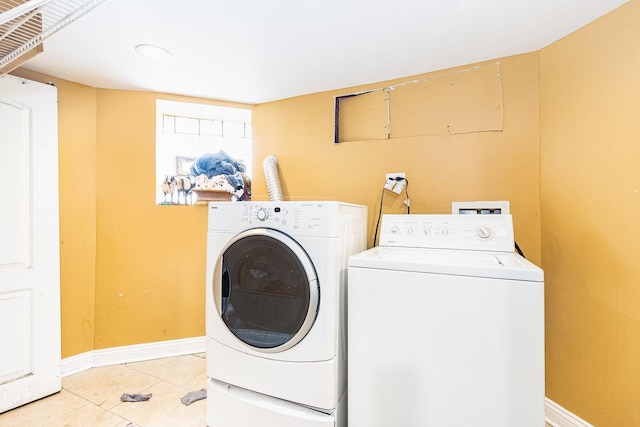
x: 483, y: 232
x: 262, y: 214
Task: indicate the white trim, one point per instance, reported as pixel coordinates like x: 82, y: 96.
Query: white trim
x: 557, y: 416
x: 131, y: 353
x: 78, y: 363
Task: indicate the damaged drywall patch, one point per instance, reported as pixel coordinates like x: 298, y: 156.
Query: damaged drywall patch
x: 463, y: 101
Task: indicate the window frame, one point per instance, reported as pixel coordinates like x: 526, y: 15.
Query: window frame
x: 169, y: 156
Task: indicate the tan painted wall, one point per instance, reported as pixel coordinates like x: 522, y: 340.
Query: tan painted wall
x: 150, y: 268
x: 151, y: 259
x: 590, y: 184
x: 440, y: 168
x: 133, y: 272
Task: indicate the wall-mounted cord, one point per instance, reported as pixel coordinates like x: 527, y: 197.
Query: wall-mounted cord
x: 375, y: 236
x: 406, y: 202
x: 518, y: 249
x: 406, y: 192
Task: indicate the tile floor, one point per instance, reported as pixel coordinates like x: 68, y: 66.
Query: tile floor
x: 92, y: 398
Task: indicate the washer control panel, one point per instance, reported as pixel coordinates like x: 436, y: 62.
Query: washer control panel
x: 466, y: 232
x: 283, y: 215
x: 296, y: 218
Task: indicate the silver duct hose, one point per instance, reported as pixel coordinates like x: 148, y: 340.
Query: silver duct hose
x: 270, y: 166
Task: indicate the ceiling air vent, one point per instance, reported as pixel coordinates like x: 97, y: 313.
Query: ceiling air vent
x: 24, y: 25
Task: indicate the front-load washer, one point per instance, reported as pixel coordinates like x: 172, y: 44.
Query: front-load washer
x: 276, y: 314
x: 445, y: 326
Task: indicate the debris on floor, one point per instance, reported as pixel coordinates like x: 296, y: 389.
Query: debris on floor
x: 194, y: 396
x: 136, y: 397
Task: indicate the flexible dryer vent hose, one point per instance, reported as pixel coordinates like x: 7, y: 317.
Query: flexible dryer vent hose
x: 270, y: 166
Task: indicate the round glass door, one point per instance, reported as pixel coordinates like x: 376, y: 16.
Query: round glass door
x: 266, y: 290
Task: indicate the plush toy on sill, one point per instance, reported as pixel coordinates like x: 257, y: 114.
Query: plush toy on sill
x: 168, y: 187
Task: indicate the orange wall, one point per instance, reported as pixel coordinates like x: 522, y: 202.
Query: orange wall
x: 440, y: 168
x: 150, y: 269
x: 133, y: 272
x: 151, y: 259
x: 590, y: 186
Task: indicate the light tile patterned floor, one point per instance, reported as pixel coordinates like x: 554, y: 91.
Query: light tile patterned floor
x: 92, y: 398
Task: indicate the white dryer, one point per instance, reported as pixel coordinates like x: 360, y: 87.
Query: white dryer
x: 446, y: 326
x: 276, y: 315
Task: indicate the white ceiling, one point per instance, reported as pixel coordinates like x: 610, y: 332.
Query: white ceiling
x: 256, y: 51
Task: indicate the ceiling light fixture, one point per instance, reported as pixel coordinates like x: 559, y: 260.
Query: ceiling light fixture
x: 153, y: 52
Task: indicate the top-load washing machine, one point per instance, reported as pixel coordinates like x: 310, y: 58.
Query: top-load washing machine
x: 446, y: 326
x: 276, y: 314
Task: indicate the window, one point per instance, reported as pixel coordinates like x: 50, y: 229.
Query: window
x: 185, y: 131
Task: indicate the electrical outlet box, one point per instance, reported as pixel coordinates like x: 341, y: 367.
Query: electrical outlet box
x: 395, y: 182
x: 480, y: 208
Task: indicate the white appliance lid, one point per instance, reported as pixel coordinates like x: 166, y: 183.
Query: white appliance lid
x: 498, y: 265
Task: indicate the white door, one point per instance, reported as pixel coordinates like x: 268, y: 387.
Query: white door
x: 29, y: 242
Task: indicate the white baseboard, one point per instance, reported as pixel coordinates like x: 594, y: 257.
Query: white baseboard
x: 557, y: 416
x: 78, y: 363
x: 131, y: 353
